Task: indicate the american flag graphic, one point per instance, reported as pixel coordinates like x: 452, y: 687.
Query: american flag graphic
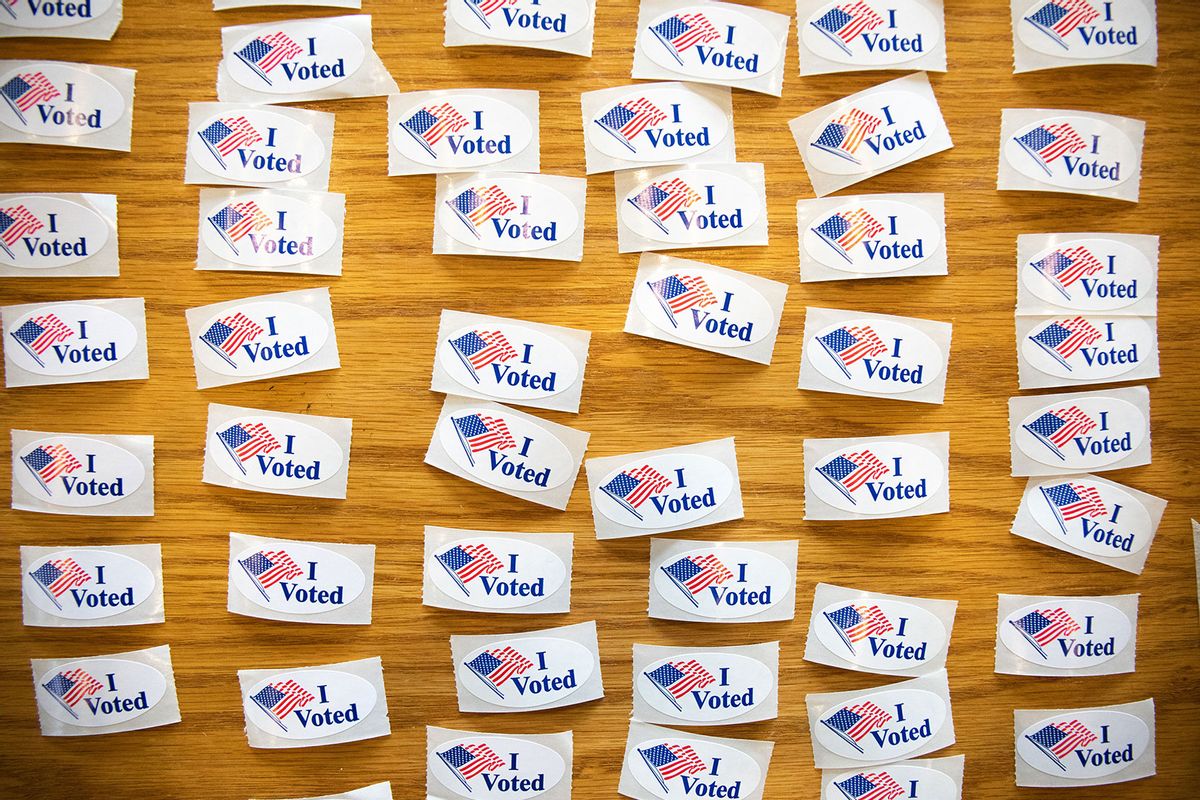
x: 8, y: 6
x: 843, y: 23
x: 632, y: 487
x: 495, y: 667
x: 266, y: 568
x: 56, y: 578
x: 1056, y: 428
x: 478, y: 349
x: 465, y: 563
x: 1059, y: 18
x: 852, y: 723
x: 1042, y: 627
x: 1064, y: 338
x: 485, y: 8
x: 843, y: 136
x: 678, y: 293
x: 477, y: 433
x: 856, y: 622
x: 1070, y: 501
x: 244, y: 440
x: 226, y: 335
x: 477, y: 205
x: 1046, y: 143
x: 1059, y: 739
x: 282, y: 698
x: 680, y: 32
x: 468, y: 760
x: 236, y: 220
x: 227, y: 134
x: 668, y: 761
x: 848, y: 346
x: 1064, y: 267
x: 16, y: 223
x: 431, y: 123
x: 38, y: 334
x: 24, y: 91
x: 264, y: 53
x: 693, y: 574
x: 845, y: 229
x: 870, y: 786
x: 848, y: 473
x: 627, y: 119
x: 49, y: 461
x: 661, y: 199
x: 676, y: 678
x: 68, y: 688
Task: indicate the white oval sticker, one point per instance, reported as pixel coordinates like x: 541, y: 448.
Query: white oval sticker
x: 493, y: 767
x: 691, y: 206
x: 657, y: 124
x: 78, y: 472
x: 705, y: 307
x: 1086, y: 30
x: 873, y: 237
x: 297, y: 578
x: 1071, y: 152
x: 462, y: 131
x: 1092, y: 274
x: 264, y: 229
x: 711, y: 42
x: 261, y: 338
x: 527, y: 673
x: 878, y: 478
x: 51, y: 99
x: 257, y: 146
x: 667, y: 490
x: 35, y: 15
x: 94, y: 692
x: 1083, y: 434
x: 88, y: 584
x: 681, y: 767
x: 881, y: 634
x: 310, y: 703
x: 876, y: 355
x: 1089, y: 743
x: 723, y: 582
x: 490, y: 572
x: 44, y: 231
x: 70, y: 339
x: 857, y: 33
x: 509, y: 216
x: 705, y: 687
x: 1092, y: 349
x: 881, y: 726
x: 899, y: 781
x: 505, y: 451
x: 275, y: 453
x: 1092, y: 517
x: 511, y: 362
x: 294, y: 57
x: 876, y: 132
x: 1066, y: 633
x: 523, y: 20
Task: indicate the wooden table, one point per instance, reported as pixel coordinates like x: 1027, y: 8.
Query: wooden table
x: 639, y: 394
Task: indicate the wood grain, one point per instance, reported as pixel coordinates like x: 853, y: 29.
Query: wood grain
x: 639, y: 394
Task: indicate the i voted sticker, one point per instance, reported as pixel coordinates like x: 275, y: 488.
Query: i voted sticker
x: 58, y: 100
x: 1067, y: 633
x: 711, y: 42
x: 494, y: 767
x: 462, y: 131
x: 1093, y: 517
x: 1085, y: 433
x: 310, y: 703
x: 873, y: 237
x: 297, y: 578
x: 496, y: 573
x: 882, y: 477
x: 880, y: 633
x: 898, y: 781
x: 658, y: 123
x: 88, y: 584
x: 267, y: 229
x: 706, y: 307
x: 504, y: 450
x: 43, y: 231
x: 528, y: 672
x: 97, y: 692
x: 1085, y: 743
x: 291, y: 57
x: 508, y: 215
x: 260, y: 338
x: 275, y: 453
x: 509, y: 362
x: 881, y: 726
x: 51, y: 15
x: 681, y: 766
x: 705, y: 687
x: 724, y: 583
x: 876, y: 355
x: 1090, y: 274
x: 518, y: 21
x: 874, y: 133
x: 1086, y: 30
x: 871, y: 35
x: 1089, y: 348
x: 78, y: 472
x: 670, y: 490
x: 254, y: 145
x: 1073, y: 152
x: 692, y: 207
x: 66, y: 339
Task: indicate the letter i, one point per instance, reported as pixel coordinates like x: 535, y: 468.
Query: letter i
x: 91, y: 463
x: 1112, y: 265
x: 742, y: 572
x: 899, y: 712
x: 896, y: 347
x: 312, y: 570
x: 1087, y: 624
x: 528, y: 353
x: 709, y: 191
x: 478, y: 120
x: 912, y: 790
x: 724, y: 676
x: 100, y: 575
x: 70, y: 98
x: 892, y: 224
x: 312, y: 45
x: 271, y: 137
x: 524, y: 452
x: 1103, y: 734
x: 896, y: 467
x: 512, y: 563
x: 892, y: 19
x: 728, y: 300
x: 1116, y: 511
x: 1108, y: 327
x: 524, y: 205
x: 679, y: 478
x: 1103, y: 420
x: 716, y: 765
x: 512, y: 762
x: 675, y: 113
x: 291, y: 442
x: 271, y: 326
x: 1095, y: 144
x: 1108, y: 12
x: 82, y: 328
x: 53, y: 223
x: 324, y: 696
x: 887, y: 114
x: 902, y: 626
x: 541, y: 657
x: 112, y: 681
x: 729, y: 34
x: 281, y: 215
